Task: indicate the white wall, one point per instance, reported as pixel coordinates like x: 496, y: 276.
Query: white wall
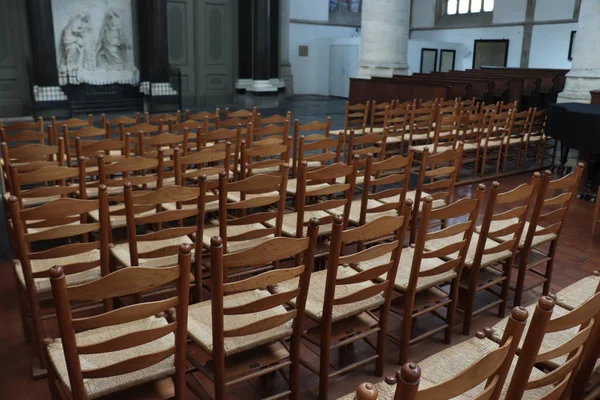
x: 467, y: 38
x: 311, y: 74
x: 423, y: 14
x: 309, y: 10
x: 506, y: 11
x: 547, y: 10
x: 550, y: 46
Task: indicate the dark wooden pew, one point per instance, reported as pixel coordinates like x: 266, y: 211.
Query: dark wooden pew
x: 388, y: 89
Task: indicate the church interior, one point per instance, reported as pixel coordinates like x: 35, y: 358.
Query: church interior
x: 303, y: 199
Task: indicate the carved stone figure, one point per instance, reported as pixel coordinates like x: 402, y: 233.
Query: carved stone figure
x: 73, y: 42
x: 112, y: 43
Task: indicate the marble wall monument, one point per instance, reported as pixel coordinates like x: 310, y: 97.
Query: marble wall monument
x: 94, y: 41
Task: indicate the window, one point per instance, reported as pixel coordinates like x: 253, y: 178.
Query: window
x: 454, y: 7
x: 344, y: 6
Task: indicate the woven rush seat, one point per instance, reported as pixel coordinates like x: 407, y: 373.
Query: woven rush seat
x: 121, y: 252
x: 33, y: 201
x: 234, y: 230
x: 453, y: 360
x: 292, y: 186
x: 439, y: 203
x: 42, y: 285
x: 578, y: 293
x: 100, y: 387
x: 355, y: 211
x: 118, y: 221
x: 235, y: 197
x: 501, y: 224
x: 551, y: 340
x: 170, y: 181
x: 337, y: 132
x: 360, y: 179
x: 316, y: 295
x: 92, y: 192
x: 200, y: 323
x: 405, y: 266
x: 212, y: 206
x: 289, y: 223
x: 486, y: 259
x: 534, y: 137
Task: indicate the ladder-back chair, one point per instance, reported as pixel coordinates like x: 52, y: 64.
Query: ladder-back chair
x: 58, y: 232
x: 379, y: 114
x: 312, y: 132
x: 341, y: 300
x: 492, y: 144
x: 129, y: 350
x: 536, y: 138
x: 244, y: 331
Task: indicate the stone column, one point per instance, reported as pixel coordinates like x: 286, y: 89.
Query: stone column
x: 154, y: 48
x: 285, y: 68
x: 585, y: 68
x: 384, y: 38
x: 261, y: 38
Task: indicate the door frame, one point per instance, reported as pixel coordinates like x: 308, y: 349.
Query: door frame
x: 453, y: 52
x: 423, y: 50
x: 507, y: 41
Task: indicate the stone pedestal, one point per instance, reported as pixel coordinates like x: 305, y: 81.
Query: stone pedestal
x: 585, y: 69
x: 384, y: 38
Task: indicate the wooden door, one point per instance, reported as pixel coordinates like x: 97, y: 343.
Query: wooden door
x: 180, y: 28
x: 14, y: 88
x: 214, y: 52
x: 201, y: 44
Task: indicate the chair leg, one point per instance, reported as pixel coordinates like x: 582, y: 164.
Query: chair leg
x: 294, y: 380
x: 596, y: 212
x: 498, y: 162
x: 506, y: 151
x: 469, y: 301
x: 549, y: 268
x: 525, y: 154
x: 520, y: 281
x: 483, y: 162
x: 52, y: 379
x: 451, y: 313
x: 507, y: 268
x: 519, y: 157
x: 324, y: 369
x: 24, y: 316
x: 406, y: 327
x: 381, y: 337
x: 537, y: 154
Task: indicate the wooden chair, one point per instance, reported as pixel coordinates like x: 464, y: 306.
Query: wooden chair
x: 117, y: 126
x: 71, y: 123
x: 144, y: 128
x: 446, y: 134
x: 359, y: 146
x: 506, y: 107
x: 341, y: 300
x: 492, y: 145
x: 543, y: 228
x: 488, y: 263
x: 420, y: 127
x: 273, y: 119
x: 470, y: 106
x: 312, y: 132
x: 267, y: 133
x: 264, y: 156
x: 489, y: 108
x: 20, y: 133
x: 317, y: 150
x: 165, y: 122
x: 421, y: 273
x: 243, y: 113
x: 87, y: 133
x: 139, y: 172
x: 428, y: 104
x: 218, y: 140
x: 476, y: 368
x: 29, y: 157
x: 356, y: 117
x: 472, y: 132
x: 397, y: 123
x: 514, y: 141
x: 157, y: 247
x: 241, y: 336
x: 437, y: 176
x: 239, y: 227
x: 555, y: 338
x: 212, y: 119
x: 319, y: 195
x: 111, y: 150
x: 133, y: 351
x: 536, y: 137
x: 57, y: 232
x: 379, y: 114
